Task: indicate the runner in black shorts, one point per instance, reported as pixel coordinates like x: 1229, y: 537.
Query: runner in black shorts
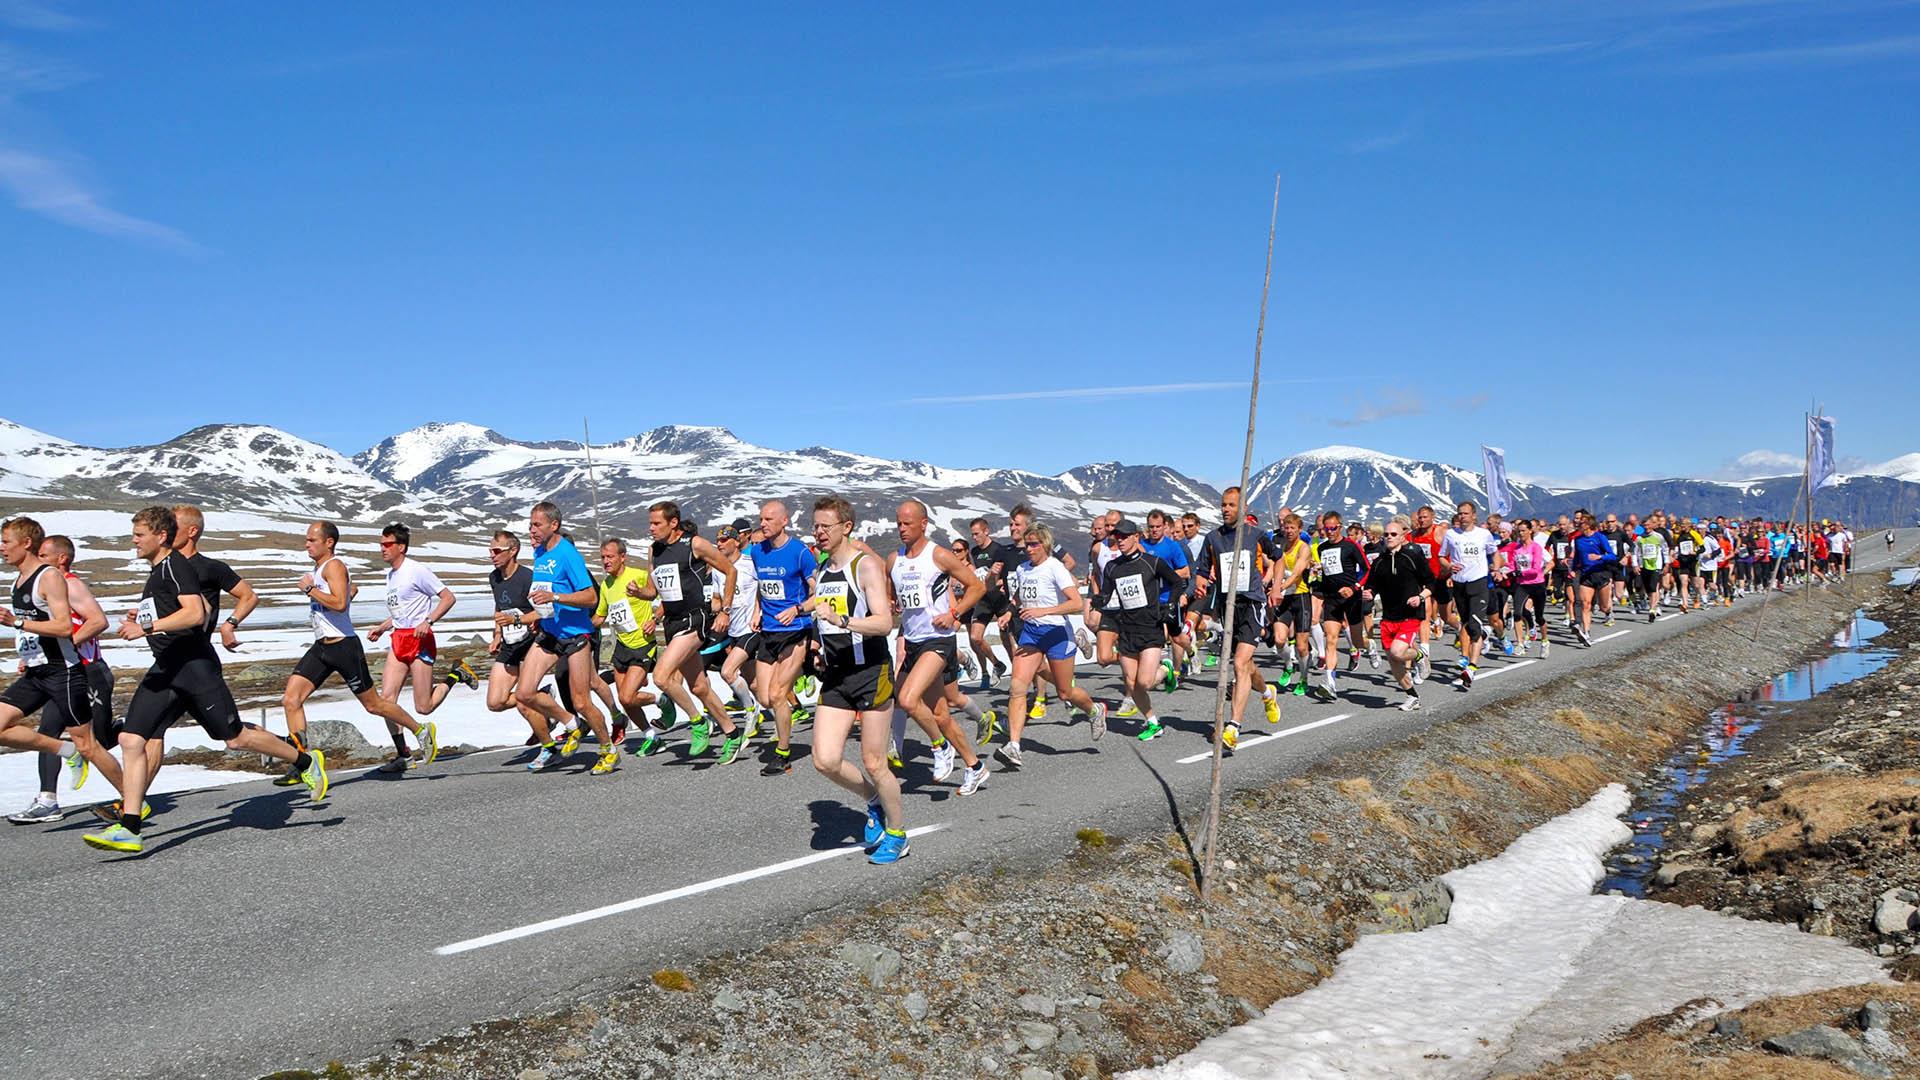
x: 686, y: 618
x: 185, y: 678
x: 992, y: 561
x: 1126, y: 591
x: 1236, y: 558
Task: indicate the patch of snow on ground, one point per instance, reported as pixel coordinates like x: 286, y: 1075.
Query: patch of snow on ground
x: 1530, y: 966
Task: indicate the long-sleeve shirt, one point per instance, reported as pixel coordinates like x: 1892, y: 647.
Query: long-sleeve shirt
x: 1592, y: 552
x: 1396, y: 577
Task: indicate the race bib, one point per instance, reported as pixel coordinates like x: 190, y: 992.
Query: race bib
x: 545, y: 610
x: 148, y: 614
x: 1686, y: 547
x: 912, y: 594
x: 1425, y: 549
x: 666, y: 581
x: 1330, y: 562
x: 1132, y: 590
x: 773, y: 588
x: 1236, y: 570
x: 32, y: 653
x: 620, y: 617
x: 832, y: 596
x: 1563, y: 550
x: 1029, y: 592
x: 514, y: 633
x: 1524, y: 560
x: 1469, y: 552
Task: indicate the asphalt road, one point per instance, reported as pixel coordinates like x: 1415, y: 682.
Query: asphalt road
x: 261, y: 932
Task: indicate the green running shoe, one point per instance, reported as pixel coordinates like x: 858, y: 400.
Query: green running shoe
x: 802, y: 715
x: 1150, y: 732
x: 987, y: 728
x: 699, y: 736
x: 730, y: 748
x: 651, y: 743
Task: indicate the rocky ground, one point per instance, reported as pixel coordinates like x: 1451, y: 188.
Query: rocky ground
x: 1101, y: 958
x: 1818, y: 825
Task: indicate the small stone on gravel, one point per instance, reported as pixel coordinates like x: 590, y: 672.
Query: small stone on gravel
x: 1035, y: 1035
x: 1827, y: 1043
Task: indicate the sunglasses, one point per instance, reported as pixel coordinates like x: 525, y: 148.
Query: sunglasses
x: 1034, y: 544
x: 389, y: 543
x: 493, y: 551
x: 1395, y: 532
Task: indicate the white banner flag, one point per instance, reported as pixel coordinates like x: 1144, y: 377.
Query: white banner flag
x: 1820, y: 469
x: 1499, y: 499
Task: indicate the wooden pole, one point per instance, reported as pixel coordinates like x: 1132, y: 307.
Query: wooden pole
x: 1242, y: 549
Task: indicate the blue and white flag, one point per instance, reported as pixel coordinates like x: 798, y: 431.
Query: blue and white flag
x: 1499, y: 499
x: 1820, y: 471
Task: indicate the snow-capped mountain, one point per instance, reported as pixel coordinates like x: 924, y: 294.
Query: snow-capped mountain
x: 1904, y: 467
x: 715, y: 476
x: 1365, y: 484
x: 224, y: 466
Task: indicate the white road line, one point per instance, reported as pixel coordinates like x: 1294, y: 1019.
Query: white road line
x: 658, y: 898
x: 1613, y: 635
x: 1499, y: 670
x: 1248, y: 744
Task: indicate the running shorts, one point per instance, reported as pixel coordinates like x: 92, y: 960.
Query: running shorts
x: 512, y: 654
x: 857, y: 689
x: 1649, y: 581
x: 1443, y: 591
x: 626, y: 656
x: 412, y: 643
x: 1689, y: 566
x: 990, y: 607
x: 1597, y: 579
x: 1351, y: 610
x: 1136, y: 638
x: 345, y: 656
x: 1055, y: 641
x: 563, y: 646
x: 695, y: 622
x: 776, y: 645
x: 1170, y: 618
x: 100, y: 698
x: 174, y: 687
x: 1295, y: 611
x: 748, y: 643
x: 939, y: 646
x: 1392, y: 630
x: 61, y: 690
x: 1250, y: 621
x: 1470, y: 601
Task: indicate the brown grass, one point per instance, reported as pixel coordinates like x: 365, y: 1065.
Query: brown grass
x: 1372, y: 807
x: 1813, y: 808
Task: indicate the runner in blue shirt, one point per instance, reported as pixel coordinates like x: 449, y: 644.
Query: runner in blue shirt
x: 564, y: 595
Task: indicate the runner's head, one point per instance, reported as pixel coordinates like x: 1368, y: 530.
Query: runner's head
x: 1291, y: 526
x: 58, y: 550
x: 1423, y: 519
x: 774, y: 517
x: 958, y: 547
x: 322, y: 536
x: 1466, y: 514
x: 1397, y: 531
x: 982, y: 534
x: 1038, y: 544
x: 1157, y: 521
x: 1018, y: 519
x: 832, y: 523
x: 153, y: 529
x: 504, y: 549
x: 1126, y: 536
x: 188, y: 524
x: 1230, y: 506
x: 911, y: 520
x: 1330, y: 525
x: 663, y: 520
x: 20, y: 540
x: 1189, y: 525
x: 1097, y: 528
x: 543, y: 523
x: 613, y: 556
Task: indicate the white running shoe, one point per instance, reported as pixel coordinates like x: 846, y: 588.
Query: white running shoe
x: 1098, y: 719
x: 1010, y: 754
x: 972, y: 779
x: 1373, y: 659
x: 1412, y: 704
x: 943, y: 756
x: 1085, y: 641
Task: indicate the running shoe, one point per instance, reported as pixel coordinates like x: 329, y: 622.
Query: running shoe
x: 1506, y: 646
x: 1466, y: 677
x: 396, y: 764
x: 115, y: 837
x: 801, y: 715
x: 571, y: 741
x: 971, y: 779
x: 78, y: 769
x: 465, y: 674
x: 1353, y: 660
x: 1581, y: 635
x: 1213, y: 660
x: 986, y: 728
x: 1373, y: 659
x: 753, y: 724
x: 1150, y: 732
x: 608, y: 761
x: 1039, y: 710
x: 1288, y: 676
x: 1098, y: 718
x: 943, y: 757
x: 699, y: 736
x: 547, y: 756
x: 891, y: 848
x: 429, y: 742
x: 315, y: 776
x: 287, y: 779
x: 876, y: 826
x: 1653, y: 616
x: 778, y: 761
x: 617, y: 732
x: 1271, y: 703
x: 1230, y: 736
x: 1545, y: 646
x: 1320, y: 692
x: 1085, y: 641
x: 730, y: 744
x: 893, y: 756
x: 970, y: 664
x: 1608, y: 621
x: 1009, y: 755
x: 1128, y: 710
x: 1300, y: 689
x: 1412, y: 704
x: 652, y: 741
x: 38, y: 812
x: 112, y: 811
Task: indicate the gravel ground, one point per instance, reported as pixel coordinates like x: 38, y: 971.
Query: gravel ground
x: 1107, y: 961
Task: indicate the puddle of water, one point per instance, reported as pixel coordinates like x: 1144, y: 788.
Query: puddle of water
x: 1905, y: 575
x: 1724, y: 737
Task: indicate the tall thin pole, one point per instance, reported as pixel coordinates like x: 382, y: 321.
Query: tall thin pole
x: 1241, y: 551
x: 593, y: 486
x: 1806, y: 583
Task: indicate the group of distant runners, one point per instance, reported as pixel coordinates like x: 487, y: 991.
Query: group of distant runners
x: 824, y: 630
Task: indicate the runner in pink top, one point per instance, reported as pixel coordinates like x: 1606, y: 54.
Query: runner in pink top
x: 1529, y: 563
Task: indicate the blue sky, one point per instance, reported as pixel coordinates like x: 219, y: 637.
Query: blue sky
x: 1620, y: 240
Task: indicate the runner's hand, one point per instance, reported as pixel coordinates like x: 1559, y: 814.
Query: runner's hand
x: 786, y: 616
x: 945, y: 621
x: 229, y: 638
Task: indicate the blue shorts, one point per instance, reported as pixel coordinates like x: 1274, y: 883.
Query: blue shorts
x: 1055, y: 641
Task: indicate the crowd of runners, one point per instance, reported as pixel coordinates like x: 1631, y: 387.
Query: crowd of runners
x: 825, y: 631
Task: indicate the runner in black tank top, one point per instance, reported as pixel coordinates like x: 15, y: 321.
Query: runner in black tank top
x: 687, y: 616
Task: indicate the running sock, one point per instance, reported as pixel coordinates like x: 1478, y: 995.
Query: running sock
x: 130, y: 822
x: 303, y: 762
x: 1319, y: 639
x: 971, y: 710
x: 450, y: 679
x: 939, y: 741
x: 900, y: 729
x: 67, y: 750
x: 297, y: 739
x: 399, y: 743
x: 742, y: 693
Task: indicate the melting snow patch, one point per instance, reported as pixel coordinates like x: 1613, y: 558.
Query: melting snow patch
x: 1530, y: 966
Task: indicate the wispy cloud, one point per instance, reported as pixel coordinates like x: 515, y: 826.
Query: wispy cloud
x: 1840, y: 53
x: 1389, y: 403
x: 1149, y: 390
x: 28, y: 15
x: 1375, y: 144
x: 54, y: 190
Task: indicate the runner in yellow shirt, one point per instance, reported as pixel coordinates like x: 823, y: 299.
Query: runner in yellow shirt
x: 632, y: 621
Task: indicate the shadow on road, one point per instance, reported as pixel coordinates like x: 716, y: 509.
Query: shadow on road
x: 835, y: 824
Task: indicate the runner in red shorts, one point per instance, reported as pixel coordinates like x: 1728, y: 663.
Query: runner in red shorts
x: 1402, y: 578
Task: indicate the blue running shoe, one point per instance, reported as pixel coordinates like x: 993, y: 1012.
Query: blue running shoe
x: 876, y: 826
x: 547, y: 756
x: 891, y: 849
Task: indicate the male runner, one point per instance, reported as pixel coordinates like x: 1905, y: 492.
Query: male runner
x: 514, y: 624
x: 856, y: 677
x: 416, y: 600
x: 185, y: 677
x: 783, y: 567
x: 1162, y: 545
x: 991, y: 561
x: 336, y: 649
x: 1594, y: 564
x: 1293, y: 601
x: 633, y: 621
x: 1236, y: 557
x: 686, y: 616
x: 1652, y: 549
x: 1471, y: 559
x: 564, y: 596
x: 739, y: 668
x: 1341, y: 562
x: 52, y: 669
x: 923, y: 575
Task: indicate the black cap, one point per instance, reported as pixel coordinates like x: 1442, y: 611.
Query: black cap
x: 1123, y: 527
x: 744, y: 526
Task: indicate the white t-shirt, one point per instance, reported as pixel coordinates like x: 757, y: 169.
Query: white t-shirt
x: 746, y: 596
x: 1046, y: 585
x: 411, y: 592
x: 1470, y: 549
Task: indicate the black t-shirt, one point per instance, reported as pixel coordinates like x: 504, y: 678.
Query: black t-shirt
x: 169, y: 580
x: 1129, y: 589
x: 1260, y: 547
x: 1562, y: 545
x: 1341, y: 565
x: 998, y: 551
x: 510, y: 593
x: 1398, y: 576
x: 216, y: 577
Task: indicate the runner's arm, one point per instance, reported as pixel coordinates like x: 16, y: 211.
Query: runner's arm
x: 93, y: 621
x: 972, y: 589
x: 59, y: 620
